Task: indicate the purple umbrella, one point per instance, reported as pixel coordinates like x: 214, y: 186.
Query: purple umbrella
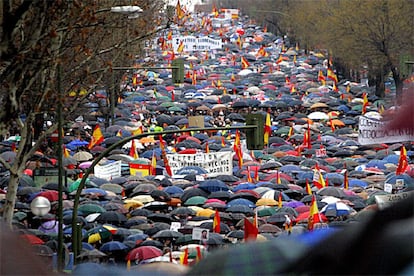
x: 293, y: 204
x: 50, y: 226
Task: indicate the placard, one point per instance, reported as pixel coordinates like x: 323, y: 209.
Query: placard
x: 196, y: 121
x: 384, y: 201
x: 216, y: 163
x: 372, y: 131
x: 108, y: 171
x: 200, y: 234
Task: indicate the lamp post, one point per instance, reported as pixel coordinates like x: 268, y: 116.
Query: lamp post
x: 132, y: 12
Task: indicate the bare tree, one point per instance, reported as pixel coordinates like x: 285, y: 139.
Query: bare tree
x: 84, y: 39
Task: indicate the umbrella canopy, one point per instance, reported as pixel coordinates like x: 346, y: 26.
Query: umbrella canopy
x: 143, y: 253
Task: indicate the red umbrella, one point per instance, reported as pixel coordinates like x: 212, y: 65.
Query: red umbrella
x: 32, y: 239
x: 305, y: 215
x: 144, y: 253
x: 188, y: 151
x: 52, y: 195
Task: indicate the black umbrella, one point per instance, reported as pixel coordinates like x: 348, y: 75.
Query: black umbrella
x: 163, y: 118
x: 168, y: 234
x: 224, y: 228
x: 112, y: 217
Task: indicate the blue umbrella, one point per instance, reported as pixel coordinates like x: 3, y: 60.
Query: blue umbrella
x: 334, y: 175
x: 136, y: 237
x: 392, y: 158
x: 290, y: 168
x: 94, y: 191
x: 113, y: 246
x: 73, y: 145
x: 173, y: 190
x: 244, y: 186
x: 241, y: 201
x: 191, y: 170
x: 85, y: 245
x: 213, y: 185
x: 352, y: 182
x: 375, y: 163
x: 305, y: 175
x: 392, y: 178
x: 148, y: 154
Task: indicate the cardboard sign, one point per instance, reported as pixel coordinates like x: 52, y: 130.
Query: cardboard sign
x: 196, y: 121
x: 108, y: 171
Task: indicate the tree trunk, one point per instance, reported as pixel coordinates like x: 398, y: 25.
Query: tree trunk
x: 398, y: 84
x: 10, y: 198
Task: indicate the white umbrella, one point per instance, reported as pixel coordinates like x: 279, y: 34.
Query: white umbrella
x: 245, y: 72
x: 317, y: 115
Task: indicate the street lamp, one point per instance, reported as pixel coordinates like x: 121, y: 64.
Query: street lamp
x: 132, y: 12
x: 40, y: 206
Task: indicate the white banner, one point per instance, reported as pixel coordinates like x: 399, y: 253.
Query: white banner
x: 216, y: 163
x: 108, y: 171
x: 373, y: 131
x: 192, y: 43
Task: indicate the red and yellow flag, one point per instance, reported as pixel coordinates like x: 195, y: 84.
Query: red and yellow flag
x: 318, y: 180
x: 216, y: 222
x: 313, y: 213
x: 267, y: 129
x: 153, y: 164
x: 402, y: 161
x: 365, y: 103
x: 290, y: 133
x: 279, y: 200
x: 180, y: 48
x: 65, y: 152
x: 179, y: 11
x: 97, y: 137
x: 321, y: 77
x: 308, y: 188
x: 245, y: 64
x: 331, y: 75
x: 133, y: 150
x: 207, y: 148
x: 346, y: 180
x: 250, y: 231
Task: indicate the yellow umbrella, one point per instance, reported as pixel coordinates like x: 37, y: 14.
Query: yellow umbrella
x: 147, y: 140
x: 131, y: 203
x: 205, y: 213
x: 94, y: 238
x: 266, y: 202
x: 319, y: 105
x: 143, y: 198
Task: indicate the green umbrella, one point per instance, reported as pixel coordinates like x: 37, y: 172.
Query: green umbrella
x: 266, y: 212
x: 74, y: 186
x: 89, y: 208
x: 357, y: 107
x: 167, y: 104
x: 175, y: 109
x: 195, y: 200
x: 283, y: 130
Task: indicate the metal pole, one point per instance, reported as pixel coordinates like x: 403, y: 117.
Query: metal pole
x: 112, y: 100
x: 60, y: 252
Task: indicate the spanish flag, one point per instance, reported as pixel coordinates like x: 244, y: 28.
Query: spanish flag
x: 133, y: 150
x: 97, y: 137
x: 402, y: 161
x: 279, y: 200
x: 180, y: 48
x: 331, y: 75
x: 308, y: 188
x: 153, y: 164
x: 179, y: 11
x: 267, y: 129
x: 245, y: 63
x: 137, y: 131
x: 318, y: 180
x: 250, y: 231
x: 207, y: 148
x: 321, y: 77
x: 65, y: 152
x: 346, y: 181
x: 216, y: 222
x: 365, y: 103
x: 314, y: 216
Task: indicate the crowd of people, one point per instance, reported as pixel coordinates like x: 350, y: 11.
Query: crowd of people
x: 309, y: 202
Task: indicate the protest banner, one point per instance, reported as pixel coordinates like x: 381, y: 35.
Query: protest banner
x: 108, y: 171
x: 372, y: 131
x: 216, y: 163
